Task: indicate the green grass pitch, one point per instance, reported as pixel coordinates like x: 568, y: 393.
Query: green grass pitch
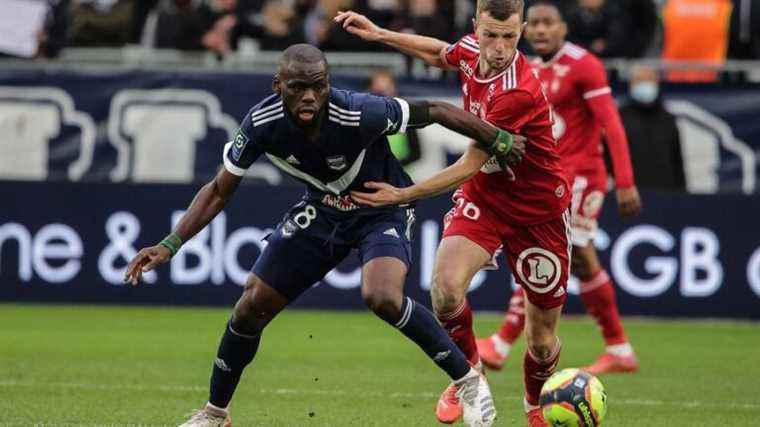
x: 84, y: 365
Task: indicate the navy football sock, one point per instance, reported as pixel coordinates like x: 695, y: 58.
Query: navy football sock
x: 235, y: 352
x: 420, y: 326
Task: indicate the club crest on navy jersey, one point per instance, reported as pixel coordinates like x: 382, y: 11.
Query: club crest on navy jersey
x: 336, y: 163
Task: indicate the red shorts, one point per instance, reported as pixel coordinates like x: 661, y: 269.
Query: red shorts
x: 588, y: 198
x: 539, y: 255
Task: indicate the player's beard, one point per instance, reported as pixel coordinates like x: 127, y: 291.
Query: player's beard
x: 497, y: 65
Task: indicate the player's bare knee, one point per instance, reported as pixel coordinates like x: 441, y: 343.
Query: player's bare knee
x: 447, y: 292
x: 580, y: 266
x: 254, y: 309
x: 444, y: 302
x: 385, y: 303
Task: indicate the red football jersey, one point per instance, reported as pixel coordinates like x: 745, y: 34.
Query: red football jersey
x: 576, y: 84
x: 536, y: 190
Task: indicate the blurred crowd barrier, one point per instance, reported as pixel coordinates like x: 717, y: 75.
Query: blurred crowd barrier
x: 167, y: 124
x: 68, y: 242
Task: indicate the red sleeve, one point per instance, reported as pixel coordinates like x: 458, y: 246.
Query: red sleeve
x: 511, y: 110
x: 596, y: 91
x: 464, y: 49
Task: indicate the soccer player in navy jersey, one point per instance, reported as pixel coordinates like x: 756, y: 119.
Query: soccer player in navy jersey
x: 333, y: 141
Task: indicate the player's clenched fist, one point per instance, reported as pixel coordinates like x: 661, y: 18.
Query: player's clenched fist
x: 629, y: 201
x: 145, y: 260
x: 507, y: 149
x: 358, y: 25
x: 515, y: 155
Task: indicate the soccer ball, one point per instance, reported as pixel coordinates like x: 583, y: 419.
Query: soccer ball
x: 573, y: 398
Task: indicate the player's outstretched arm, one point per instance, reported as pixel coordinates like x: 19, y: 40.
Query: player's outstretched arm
x: 447, y: 179
x: 428, y: 49
x: 508, y: 149
x: 489, y: 141
x: 208, y: 202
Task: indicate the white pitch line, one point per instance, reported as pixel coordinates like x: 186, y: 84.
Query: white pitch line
x: 323, y: 392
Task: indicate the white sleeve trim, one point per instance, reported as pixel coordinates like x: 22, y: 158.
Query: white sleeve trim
x: 231, y: 168
x: 404, y: 114
x: 597, y: 92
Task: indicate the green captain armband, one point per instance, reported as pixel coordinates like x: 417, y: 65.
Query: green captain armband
x: 499, y: 146
x: 503, y: 143
x: 172, y: 242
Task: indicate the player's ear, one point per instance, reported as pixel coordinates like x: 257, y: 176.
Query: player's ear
x: 563, y: 29
x: 276, y: 87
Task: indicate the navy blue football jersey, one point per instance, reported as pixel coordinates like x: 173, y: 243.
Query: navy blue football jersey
x: 352, y: 147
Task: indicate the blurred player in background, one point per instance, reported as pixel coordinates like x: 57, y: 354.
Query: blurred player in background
x: 333, y: 141
x: 523, y: 209
x: 576, y: 83
x: 405, y: 146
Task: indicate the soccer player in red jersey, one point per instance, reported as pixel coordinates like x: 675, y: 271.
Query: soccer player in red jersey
x: 523, y: 209
x: 576, y: 83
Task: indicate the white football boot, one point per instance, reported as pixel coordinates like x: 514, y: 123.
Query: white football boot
x: 210, y: 416
x: 476, y: 400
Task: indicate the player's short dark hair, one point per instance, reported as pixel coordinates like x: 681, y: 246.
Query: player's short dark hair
x: 501, y: 9
x: 549, y: 3
x: 302, y: 53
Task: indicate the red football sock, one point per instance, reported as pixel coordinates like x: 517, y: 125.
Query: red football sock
x: 514, y: 321
x: 598, y: 295
x: 458, y: 324
x: 536, y: 372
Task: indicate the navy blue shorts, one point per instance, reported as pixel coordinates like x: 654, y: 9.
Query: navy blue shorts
x: 312, y: 240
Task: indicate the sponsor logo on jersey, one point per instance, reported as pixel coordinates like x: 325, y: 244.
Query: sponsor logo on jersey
x: 390, y: 127
x: 240, y: 141
x: 560, y: 70
x: 539, y: 269
x: 337, y: 163
x: 465, y: 67
x: 289, y: 228
x: 391, y: 232
x: 341, y: 203
x: 475, y: 108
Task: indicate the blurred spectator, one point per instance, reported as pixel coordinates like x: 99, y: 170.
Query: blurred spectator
x: 405, y: 146
x: 191, y: 25
x: 143, y: 8
x: 620, y: 28
x: 275, y: 23
x: 565, y: 6
x: 221, y: 15
x: 101, y: 23
x: 33, y: 29
x: 745, y: 30
x: 52, y: 37
x: 385, y: 13
x: 652, y: 134
x: 696, y: 30
x: 434, y: 18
